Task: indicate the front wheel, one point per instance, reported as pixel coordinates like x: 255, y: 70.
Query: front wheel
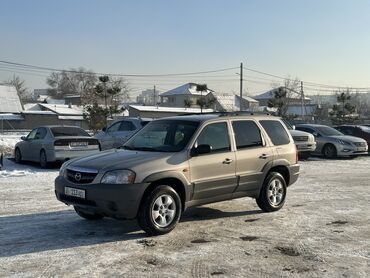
x: 88, y: 216
x: 273, y: 193
x: 330, y: 151
x: 43, y: 159
x: 17, y: 156
x: 160, y: 211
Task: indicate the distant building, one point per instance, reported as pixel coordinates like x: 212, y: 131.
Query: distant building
x: 183, y: 96
x: 149, y: 97
x: 293, y: 98
x: 231, y: 102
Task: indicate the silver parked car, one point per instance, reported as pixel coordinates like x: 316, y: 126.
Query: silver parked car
x: 55, y: 143
x: 304, y: 141
x: 118, y: 133
x: 332, y: 143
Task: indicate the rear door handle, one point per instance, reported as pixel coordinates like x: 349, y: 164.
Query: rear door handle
x: 264, y: 156
x: 227, y: 161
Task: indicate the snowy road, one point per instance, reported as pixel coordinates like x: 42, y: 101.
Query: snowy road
x: 323, y: 231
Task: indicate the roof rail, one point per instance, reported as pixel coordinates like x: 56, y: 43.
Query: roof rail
x: 225, y: 114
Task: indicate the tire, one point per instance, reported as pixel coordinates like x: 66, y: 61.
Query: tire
x: 88, y: 216
x: 329, y: 151
x: 273, y: 193
x: 17, y: 156
x: 160, y: 211
x: 43, y: 159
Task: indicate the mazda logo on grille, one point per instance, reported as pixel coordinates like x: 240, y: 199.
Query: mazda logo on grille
x: 78, y: 176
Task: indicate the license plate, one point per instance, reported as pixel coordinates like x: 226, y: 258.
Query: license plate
x: 74, y: 192
x: 78, y: 144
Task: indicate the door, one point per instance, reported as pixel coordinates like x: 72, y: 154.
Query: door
x: 125, y: 130
x: 252, y: 155
x: 25, y: 146
x: 320, y: 142
x: 213, y: 174
x: 107, y: 140
x: 36, y: 143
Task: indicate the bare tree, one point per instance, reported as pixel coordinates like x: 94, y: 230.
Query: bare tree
x: 75, y: 81
x: 19, y: 85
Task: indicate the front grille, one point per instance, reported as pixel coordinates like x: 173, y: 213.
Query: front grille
x: 360, y: 144
x: 300, y: 138
x: 80, y: 177
x: 75, y: 200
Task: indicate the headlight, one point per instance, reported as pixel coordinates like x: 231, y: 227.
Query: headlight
x: 119, y: 177
x: 343, y: 142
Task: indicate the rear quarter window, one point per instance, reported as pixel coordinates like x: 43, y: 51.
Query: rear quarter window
x: 276, y: 132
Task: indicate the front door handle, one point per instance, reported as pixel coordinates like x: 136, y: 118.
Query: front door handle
x: 227, y: 161
x: 264, y: 156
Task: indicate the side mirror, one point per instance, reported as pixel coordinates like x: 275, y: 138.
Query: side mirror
x: 315, y: 134
x: 104, y: 129
x: 24, y: 138
x: 201, y: 149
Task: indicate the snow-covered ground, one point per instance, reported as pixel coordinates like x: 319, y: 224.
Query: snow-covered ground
x: 8, y: 141
x: 322, y: 231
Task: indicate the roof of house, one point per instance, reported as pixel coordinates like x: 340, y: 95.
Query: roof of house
x: 168, y: 109
x: 63, y: 109
x: 186, y: 89
x: 9, y: 100
x: 271, y: 94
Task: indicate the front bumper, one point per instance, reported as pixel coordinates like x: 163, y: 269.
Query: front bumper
x: 344, y: 150
x: 293, y: 173
x: 111, y: 200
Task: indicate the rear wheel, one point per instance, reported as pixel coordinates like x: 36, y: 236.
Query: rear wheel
x: 17, y: 156
x: 329, y: 151
x: 160, y: 211
x: 43, y: 159
x: 273, y: 193
x: 88, y: 216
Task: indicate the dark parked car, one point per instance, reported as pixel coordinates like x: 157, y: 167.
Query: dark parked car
x: 54, y: 143
x: 356, y: 130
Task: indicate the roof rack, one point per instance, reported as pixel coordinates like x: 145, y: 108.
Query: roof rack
x: 225, y: 114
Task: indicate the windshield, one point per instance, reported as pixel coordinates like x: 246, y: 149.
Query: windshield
x: 163, y: 136
x: 328, y: 131
x: 68, y: 131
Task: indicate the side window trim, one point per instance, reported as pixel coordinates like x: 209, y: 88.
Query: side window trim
x: 228, y: 133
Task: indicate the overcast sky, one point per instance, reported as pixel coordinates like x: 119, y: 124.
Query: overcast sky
x: 318, y: 41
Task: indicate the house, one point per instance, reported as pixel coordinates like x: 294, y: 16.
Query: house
x: 183, y: 96
x: 231, y: 102
x: 149, y: 97
x: 144, y: 111
x: 10, y: 107
x: 294, y: 98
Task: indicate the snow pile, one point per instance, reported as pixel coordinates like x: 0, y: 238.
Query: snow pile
x: 15, y: 173
x: 7, y: 143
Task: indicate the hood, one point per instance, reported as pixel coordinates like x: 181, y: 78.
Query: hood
x: 99, y: 135
x: 348, y: 138
x: 117, y: 159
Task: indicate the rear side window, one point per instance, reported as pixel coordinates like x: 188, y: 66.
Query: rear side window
x: 41, y: 133
x: 276, y: 132
x: 216, y: 135
x: 247, y: 134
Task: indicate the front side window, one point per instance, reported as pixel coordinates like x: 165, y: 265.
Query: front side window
x: 114, y: 127
x: 126, y: 126
x: 32, y: 134
x: 276, y: 132
x: 41, y: 133
x: 247, y: 134
x: 216, y: 136
x: 163, y: 136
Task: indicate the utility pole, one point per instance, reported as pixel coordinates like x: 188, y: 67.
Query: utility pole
x: 302, y: 101
x: 241, y: 86
x: 154, y: 97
